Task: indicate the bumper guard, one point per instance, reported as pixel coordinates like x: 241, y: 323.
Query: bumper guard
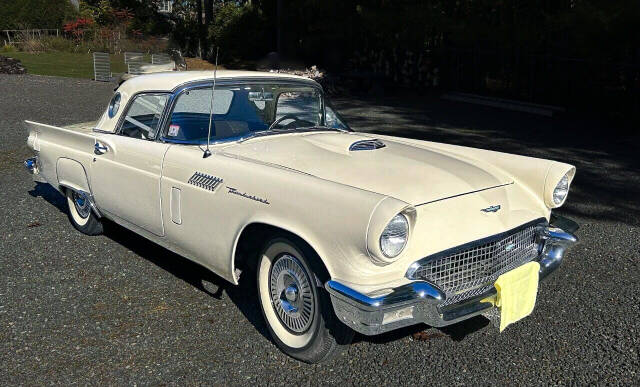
x: 418, y: 301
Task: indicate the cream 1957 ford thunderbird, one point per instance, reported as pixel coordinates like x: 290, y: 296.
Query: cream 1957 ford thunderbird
x: 255, y: 174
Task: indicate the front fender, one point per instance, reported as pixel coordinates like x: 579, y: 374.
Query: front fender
x: 332, y: 218
x: 537, y: 176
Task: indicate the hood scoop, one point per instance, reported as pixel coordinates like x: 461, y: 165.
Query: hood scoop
x: 363, y: 145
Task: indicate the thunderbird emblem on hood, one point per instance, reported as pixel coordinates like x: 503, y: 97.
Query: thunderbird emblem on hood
x: 495, y: 208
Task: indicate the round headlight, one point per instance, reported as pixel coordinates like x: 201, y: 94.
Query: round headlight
x: 394, y: 236
x: 561, y: 190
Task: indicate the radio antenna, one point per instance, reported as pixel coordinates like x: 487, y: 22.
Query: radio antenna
x: 207, y: 152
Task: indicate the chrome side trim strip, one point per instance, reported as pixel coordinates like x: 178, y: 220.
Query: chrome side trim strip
x: 466, y: 193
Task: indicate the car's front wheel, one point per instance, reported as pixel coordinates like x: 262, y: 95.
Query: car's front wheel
x: 295, y: 306
x: 81, y: 215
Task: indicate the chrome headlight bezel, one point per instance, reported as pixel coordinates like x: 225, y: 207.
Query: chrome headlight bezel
x: 560, y: 193
x: 557, y: 186
x: 398, y: 229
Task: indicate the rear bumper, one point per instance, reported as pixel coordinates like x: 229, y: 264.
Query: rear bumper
x: 32, y: 165
x: 418, y: 301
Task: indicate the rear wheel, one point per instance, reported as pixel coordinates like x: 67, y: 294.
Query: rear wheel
x: 81, y: 215
x: 295, y: 306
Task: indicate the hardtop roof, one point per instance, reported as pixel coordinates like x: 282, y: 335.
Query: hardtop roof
x: 167, y: 81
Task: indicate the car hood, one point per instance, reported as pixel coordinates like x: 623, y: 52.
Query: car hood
x: 416, y: 175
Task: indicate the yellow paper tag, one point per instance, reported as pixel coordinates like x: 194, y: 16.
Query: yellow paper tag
x: 517, y: 290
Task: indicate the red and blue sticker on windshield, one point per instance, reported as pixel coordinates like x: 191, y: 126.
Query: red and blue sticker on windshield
x: 173, y: 130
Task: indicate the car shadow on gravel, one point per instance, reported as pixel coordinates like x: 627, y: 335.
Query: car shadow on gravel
x: 48, y: 193
x: 243, y: 295
x: 422, y: 332
x: 198, y: 276
x: 188, y: 271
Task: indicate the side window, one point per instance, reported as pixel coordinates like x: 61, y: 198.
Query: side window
x: 143, y: 117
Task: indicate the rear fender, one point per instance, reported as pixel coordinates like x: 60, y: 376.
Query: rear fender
x: 71, y: 174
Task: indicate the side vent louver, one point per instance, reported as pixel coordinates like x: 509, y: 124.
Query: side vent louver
x: 366, y: 145
x: 205, y: 181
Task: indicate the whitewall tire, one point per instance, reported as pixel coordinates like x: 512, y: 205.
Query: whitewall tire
x: 295, y: 306
x: 81, y: 215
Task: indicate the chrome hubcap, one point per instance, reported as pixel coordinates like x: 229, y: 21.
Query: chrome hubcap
x: 81, y: 203
x: 291, y: 294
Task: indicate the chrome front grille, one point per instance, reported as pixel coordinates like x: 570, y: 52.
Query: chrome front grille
x: 472, y: 269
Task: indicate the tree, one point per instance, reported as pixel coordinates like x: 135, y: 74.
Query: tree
x: 146, y: 18
x: 35, y: 14
x: 200, y: 30
x: 208, y: 12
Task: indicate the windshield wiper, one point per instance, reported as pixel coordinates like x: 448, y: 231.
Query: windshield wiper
x: 260, y: 133
x: 268, y: 132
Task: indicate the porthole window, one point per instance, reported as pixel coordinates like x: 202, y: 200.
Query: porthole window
x: 114, y: 105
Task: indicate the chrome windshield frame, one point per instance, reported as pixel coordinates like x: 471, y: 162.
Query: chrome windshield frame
x: 225, y: 82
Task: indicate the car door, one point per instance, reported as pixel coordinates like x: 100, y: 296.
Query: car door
x: 127, y: 165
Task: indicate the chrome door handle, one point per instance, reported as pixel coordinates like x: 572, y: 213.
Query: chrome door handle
x: 99, y: 149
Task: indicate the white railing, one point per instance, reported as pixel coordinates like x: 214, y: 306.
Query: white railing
x: 12, y: 37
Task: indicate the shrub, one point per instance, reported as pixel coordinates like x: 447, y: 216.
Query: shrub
x: 8, y: 48
x: 58, y: 43
x: 32, y: 45
x: 77, y: 29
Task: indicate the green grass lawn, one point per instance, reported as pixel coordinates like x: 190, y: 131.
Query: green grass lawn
x: 63, y: 64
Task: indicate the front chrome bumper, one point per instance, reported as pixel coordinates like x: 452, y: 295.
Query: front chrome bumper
x: 418, y: 301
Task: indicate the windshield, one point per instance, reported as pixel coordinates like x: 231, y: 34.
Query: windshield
x: 243, y: 110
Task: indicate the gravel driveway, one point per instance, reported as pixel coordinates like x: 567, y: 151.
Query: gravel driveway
x: 117, y: 309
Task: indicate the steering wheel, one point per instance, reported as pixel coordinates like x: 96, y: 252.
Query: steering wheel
x: 285, y: 117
